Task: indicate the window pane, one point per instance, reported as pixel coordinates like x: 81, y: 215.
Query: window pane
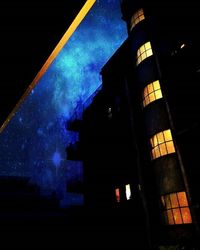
x: 147, y: 100
x: 156, y: 85
x: 149, y: 52
x: 177, y: 216
x: 145, y: 92
x: 168, y: 135
x: 155, y: 141
x: 163, y: 149
x: 170, y: 147
x: 170, y: 217
x: 174, y: 200
x: 182, y: 199
x: 142, y: 49
x: 136, y: 21
x: 160, y: 137
x: 150, y: 88
x: 143, y: 56
x: 141, y: 17
x: 117, y: 194
x: 147, y: 45
x: 186, y: 215
x: 167, y: 201
x: 157, y: 152
x: 152, y: 97
x: 138, y: 53
x: 153, y: 154
x: 158, y: 94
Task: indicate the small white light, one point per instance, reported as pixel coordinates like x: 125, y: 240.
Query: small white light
x: 183, y: 45
x: 128, y: 192
x: 198, y: 70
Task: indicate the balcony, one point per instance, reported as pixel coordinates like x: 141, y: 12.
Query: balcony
x: 74, y: 152
x: 74, y: 124
x: 75, y: 121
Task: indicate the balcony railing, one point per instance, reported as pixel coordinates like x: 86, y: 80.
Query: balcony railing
x: 74, y: 122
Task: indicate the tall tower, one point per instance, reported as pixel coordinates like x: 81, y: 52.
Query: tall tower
x: 150, y: 53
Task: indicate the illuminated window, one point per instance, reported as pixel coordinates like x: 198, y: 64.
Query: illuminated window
x: 151, y: 93
x: 117, y: 194
x: 128, y: 192
x: 162, y: 144
x: 143, y: 52
x: 136, y: 18
x: 109, y: 113
x: 176, y: 209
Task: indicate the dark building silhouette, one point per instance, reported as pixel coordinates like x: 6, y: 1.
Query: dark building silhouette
x: 139, y: 137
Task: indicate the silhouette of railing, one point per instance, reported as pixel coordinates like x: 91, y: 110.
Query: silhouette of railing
x: 73, y: 151
x: 74, y: 121
x: 91, y: 97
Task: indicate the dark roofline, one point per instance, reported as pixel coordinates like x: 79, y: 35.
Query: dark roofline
x: 119, y: 53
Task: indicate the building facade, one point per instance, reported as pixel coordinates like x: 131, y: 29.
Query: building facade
x: 139, y: 137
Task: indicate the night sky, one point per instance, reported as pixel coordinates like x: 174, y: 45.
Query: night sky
x: 34, y: 143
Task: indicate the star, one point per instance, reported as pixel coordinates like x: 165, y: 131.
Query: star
x: 56, y: 159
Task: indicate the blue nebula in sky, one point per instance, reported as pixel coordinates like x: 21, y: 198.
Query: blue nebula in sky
x: 34, y: 143
x: 56, y: 158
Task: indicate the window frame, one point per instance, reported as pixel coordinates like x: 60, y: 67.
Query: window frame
x: 162, y: 144
x: 173, y: 212
x: 154, y: 94
x: 143, y: 52
x: 136, y: 18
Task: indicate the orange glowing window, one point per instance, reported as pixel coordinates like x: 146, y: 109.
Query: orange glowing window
x: 143, y: 52
x: 182, y: 199
x: 175, y: 209
x: 117, y: 194
x: 136, y: 18
x: 162, y: 144
x: 185, y: 211
x: 177, y: 216
x: 167, y: 201
x: 174, y: 200
x: 170, y: 217
x: 151, y: 93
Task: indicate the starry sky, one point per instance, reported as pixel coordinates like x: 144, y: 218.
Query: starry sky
x: 34, y: 143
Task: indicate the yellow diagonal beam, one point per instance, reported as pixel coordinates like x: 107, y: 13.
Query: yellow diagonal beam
x: 78, y: 19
